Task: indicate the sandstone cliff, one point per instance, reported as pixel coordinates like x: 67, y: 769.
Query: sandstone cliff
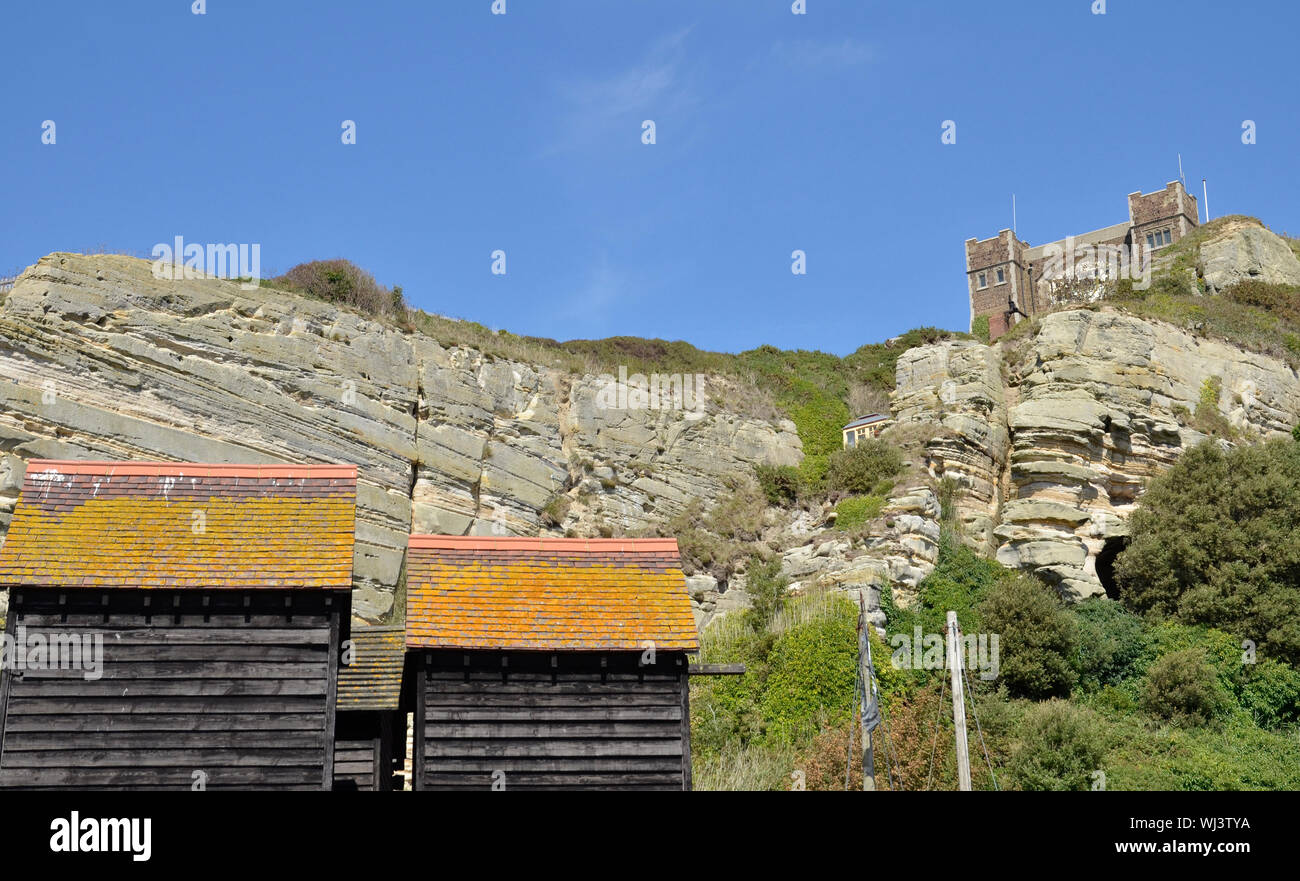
x: 1051, y: 438
x: 1048, y: 438
x: 98, y: 359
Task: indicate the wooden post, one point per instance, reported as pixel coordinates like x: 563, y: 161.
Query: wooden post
x: 958, y: 703
x: 864, y: 697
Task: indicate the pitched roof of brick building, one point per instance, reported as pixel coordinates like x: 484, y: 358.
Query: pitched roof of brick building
x: 179, y: 525
x: 469, y: 592
x: 373, y: 681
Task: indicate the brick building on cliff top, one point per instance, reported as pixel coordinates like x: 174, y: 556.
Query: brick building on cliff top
x: 1007, y: 279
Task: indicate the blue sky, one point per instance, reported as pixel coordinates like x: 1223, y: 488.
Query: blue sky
x: 522, y: 132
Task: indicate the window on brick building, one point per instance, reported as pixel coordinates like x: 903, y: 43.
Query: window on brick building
x: 983, y: 280
x: 1159, y: 239
x: 1001, y: 277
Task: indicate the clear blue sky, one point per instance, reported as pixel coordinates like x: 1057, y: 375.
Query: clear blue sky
x: 522, y: 132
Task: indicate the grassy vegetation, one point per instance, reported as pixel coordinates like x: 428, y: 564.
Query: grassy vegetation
x: 1137, y: 703
x: 855, y: 512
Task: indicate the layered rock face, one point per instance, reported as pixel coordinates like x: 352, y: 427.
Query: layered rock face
x: 1246, y: 250
x: 1056, y: 451
x: 1043, y: 443
x: 98, y: 359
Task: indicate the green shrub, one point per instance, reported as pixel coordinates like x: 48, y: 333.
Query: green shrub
x: 1208, y: 418
x: 979, y: 328
x: 1177, y: 284
x: 959, y: 581
x: 1222, y: 651
x: 860, y: 468
x: 725, y: 709
x: 820, y: 423
x: 1214, y: 542
x: 948, y: 492
x: 1181, y: 687
x: 1125, y: 290
x: 1108, y: 640
x: 813, y: 670
x: 344, y: 283
x: 766, y: 587
x: 1061, y: 748
x: 1271, y: 693
x: 857, y: 511
x: 781, y: 484
x: 1279, y: 299
x: 1036, y: 637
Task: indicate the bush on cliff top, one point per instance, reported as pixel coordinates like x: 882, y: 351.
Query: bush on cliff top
x: 346, y: 284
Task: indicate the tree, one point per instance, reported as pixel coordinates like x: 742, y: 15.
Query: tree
x: 860, y: 469
x: 1035, y: 636
x: 1216, y: 540
x: 1109, y: 638
x: 1061, y: 749
x: 1183, y: 688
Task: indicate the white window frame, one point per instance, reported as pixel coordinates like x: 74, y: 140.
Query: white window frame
x: 1001, y: 276
x: 981, y: 280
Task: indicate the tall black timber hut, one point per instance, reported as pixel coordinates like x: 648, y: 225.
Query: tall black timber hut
x: 219, y: 596
x: 370, y: 731
x: 548, y: 663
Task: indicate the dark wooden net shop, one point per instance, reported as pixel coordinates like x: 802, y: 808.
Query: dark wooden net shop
x: 549, y: 663
x: 218, y: 596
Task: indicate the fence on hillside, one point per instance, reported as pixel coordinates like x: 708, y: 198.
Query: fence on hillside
x: 7, y: 281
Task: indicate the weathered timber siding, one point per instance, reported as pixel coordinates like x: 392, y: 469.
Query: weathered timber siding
x: 367, y: 751
x: 574, y: 725
x: 356, y: 763
x: 234, y: 684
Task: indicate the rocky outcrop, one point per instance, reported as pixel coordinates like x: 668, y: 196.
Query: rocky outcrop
x: 953, y: 393
x: 101, y: 360
x: 898, y: 553
x: 1089, y: 408
x: 1246, y: 250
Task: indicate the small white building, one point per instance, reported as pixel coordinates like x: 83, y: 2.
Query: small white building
x: 864, y: 427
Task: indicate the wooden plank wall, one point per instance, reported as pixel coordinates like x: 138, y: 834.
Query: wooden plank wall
x: 236, y: 685
x: 354, y: 765
x: 546, y: 721
x: 359, y: 751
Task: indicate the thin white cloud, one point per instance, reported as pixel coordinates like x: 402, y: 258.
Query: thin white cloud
x: 824, y: 53
x: 604, y: 289
x: 596, y: 111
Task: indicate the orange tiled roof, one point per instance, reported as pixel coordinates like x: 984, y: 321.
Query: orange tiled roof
x: 470, y: 592
x: 180, y: 525
x: 373, y: 681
